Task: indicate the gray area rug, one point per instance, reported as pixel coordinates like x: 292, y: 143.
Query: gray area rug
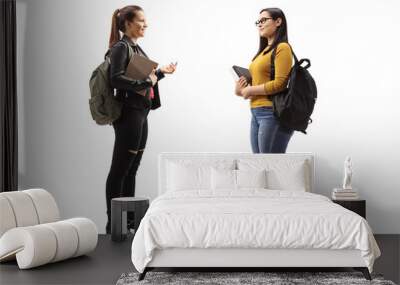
x: 270, y: 278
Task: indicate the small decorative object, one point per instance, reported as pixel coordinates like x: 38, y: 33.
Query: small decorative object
x: 348, y: 173
x: 347, y: 192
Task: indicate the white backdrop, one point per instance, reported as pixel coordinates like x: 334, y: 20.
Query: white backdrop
x: 353, y: 49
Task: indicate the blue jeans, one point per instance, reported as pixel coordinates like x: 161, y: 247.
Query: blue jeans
x: 266, y: 134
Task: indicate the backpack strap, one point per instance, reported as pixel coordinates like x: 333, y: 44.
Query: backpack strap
x: 130, y: 51
x: 296, y: 61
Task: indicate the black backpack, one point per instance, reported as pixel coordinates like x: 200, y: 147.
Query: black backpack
x: 294, y: 105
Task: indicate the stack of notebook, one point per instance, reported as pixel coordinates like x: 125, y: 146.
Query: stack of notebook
x: 344, y: 194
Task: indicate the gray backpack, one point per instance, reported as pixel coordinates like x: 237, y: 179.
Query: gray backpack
x: 104, y: 107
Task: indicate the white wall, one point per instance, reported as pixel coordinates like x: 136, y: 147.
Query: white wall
x: 353, y: 46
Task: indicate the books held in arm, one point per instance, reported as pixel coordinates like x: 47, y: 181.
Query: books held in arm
x: 241, y: 71
x: 139, y: 68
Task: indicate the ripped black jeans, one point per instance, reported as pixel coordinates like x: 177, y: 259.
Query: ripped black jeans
x: 130, y: 140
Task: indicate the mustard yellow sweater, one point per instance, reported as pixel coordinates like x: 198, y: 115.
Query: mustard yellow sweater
x: 260, y: 70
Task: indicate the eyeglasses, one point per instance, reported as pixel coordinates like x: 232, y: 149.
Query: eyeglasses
x: 262, y: 21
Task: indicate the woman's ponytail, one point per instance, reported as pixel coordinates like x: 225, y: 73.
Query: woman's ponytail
x: 119, y: 17
x: 114, y: 36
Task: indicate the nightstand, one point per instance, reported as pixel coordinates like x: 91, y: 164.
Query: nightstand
x: 119, y: 208
x: 357, y: 206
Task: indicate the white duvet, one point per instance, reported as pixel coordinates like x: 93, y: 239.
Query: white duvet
x: 250, y: 219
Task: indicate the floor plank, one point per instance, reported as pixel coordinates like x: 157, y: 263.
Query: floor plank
x: 103, y: 266
x: 110, y: 260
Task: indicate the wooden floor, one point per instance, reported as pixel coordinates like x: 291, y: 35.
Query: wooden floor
x: 102, y: 266
x: 110, y: 260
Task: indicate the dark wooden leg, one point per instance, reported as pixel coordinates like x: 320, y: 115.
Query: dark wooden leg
x: 143, y: 274
x: 364, y: 271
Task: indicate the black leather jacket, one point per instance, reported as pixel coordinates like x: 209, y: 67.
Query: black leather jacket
x: 127, y: 88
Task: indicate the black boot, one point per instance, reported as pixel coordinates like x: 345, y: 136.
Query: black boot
x: 108, y: 228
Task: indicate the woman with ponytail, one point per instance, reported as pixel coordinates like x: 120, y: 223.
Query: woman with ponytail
x: 266, y: 133
x: 138, y: 98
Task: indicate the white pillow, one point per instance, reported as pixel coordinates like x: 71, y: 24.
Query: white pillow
x: 288, y: 178
x: 187, y: 177
x: 251, y: 178
x: 227, y: 179
x: 192, y: 174
x: 282, y: 174
x: 223, y: 179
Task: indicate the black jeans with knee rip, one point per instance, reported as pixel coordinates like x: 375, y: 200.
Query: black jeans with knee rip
x: 130, y: 140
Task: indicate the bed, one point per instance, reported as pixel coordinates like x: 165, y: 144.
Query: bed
x: 244, y: 211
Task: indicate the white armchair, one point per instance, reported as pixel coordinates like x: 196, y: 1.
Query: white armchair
x: 31, y: 230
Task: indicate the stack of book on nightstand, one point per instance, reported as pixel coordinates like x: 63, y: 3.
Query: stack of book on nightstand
x: 344, y: 194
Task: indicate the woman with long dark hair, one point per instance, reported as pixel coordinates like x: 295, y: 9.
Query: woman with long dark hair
x: 138, y: 98
x: 267, y: 135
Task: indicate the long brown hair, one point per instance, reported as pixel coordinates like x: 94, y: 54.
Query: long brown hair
x: 119, y: 17
x: 281, y: 35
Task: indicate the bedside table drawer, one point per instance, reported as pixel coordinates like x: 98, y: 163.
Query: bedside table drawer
x: 357, y: 206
